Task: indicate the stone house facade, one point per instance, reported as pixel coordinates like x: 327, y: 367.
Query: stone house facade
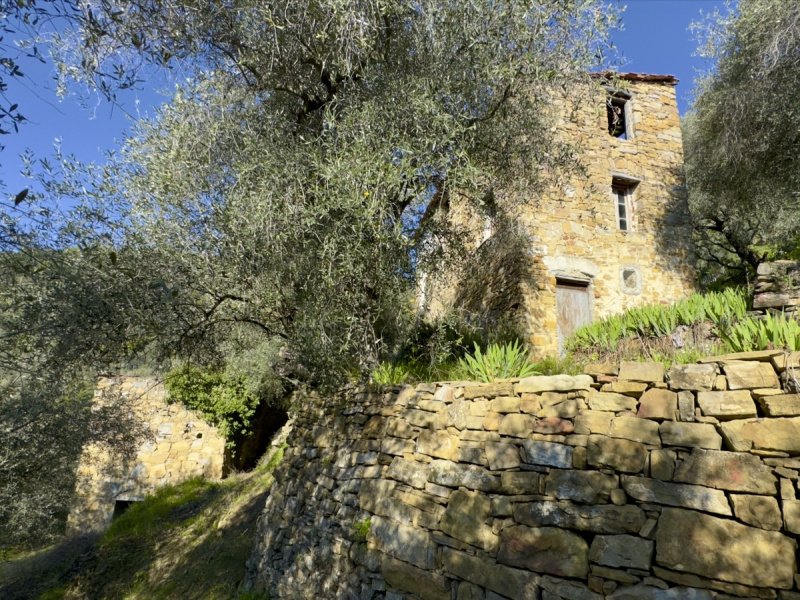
x: 610, y: 235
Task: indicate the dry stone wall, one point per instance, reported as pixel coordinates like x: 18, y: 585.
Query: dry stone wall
x: 625, y: 483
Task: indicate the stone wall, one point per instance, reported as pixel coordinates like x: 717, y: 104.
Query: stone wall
x: 627, y: 483
x: 778, y: 286
x: 176, y: 444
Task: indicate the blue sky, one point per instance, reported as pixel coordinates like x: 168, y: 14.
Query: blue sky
x: 655, y: 39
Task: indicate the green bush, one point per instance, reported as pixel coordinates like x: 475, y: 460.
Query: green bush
x: 390, y: 374
x: 224, y: 400
x: 361, y: 529
x: 754, y: 333
x: 500, y: 361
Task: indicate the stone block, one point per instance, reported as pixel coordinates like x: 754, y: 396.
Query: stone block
x: 450, y: 474
x: 602, y: 518
x: 626, y: 551
x: 593, y: 421
x: 438, y: 444
x: 505, y: 404
x: 511, y: 583
x: 658, y: 404
x: 690, y: 541
x: 410, y: 544
x: 676, y: 494
x: 374, y: 491
x: 424, y: 584
x: 690, y: 435
x: 727, y: 405
x: 791, y: 515
x: 749, y: 375
x: 616, y: 453
x: 782, y: 405
x: 737, y: 357
x: 563, y: 589
x: 662, y: 464
x: 636, y: 429
x: 517, y: 425
x: 694, y: 377
x: 502, y: 456
x: 492, y: 420
x: 456, y: 414
x: 685, y: 406
x: 396, y: 446
x: 565, y: 409
x: 470, y: 591
x: 630, y: 388
x: 465, y: 519
x: 610, y: 401
x: 648, y: 592
x: 733, y: 471
x: 601, y: 368
x: 548, y: 454
x: 581, y: 486
x: 544, y: 550
x: 780, y: 434
x: 488, y: 390
x: 759, y: 511
x: 788, y: 360
x: 553, y: 426
x: 647, y: 372
x: 520, y: 482
x: 413, y: 473
x: 553, y: 383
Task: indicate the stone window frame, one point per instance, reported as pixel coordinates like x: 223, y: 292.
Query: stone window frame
x: 635, y: 290
x: 623, y: 193
x: 623, y: 99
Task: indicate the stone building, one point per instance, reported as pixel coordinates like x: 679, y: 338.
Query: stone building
x: 608, y: 236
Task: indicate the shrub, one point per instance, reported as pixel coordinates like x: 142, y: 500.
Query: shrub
x: 390, y: 374
x: 754, y: 333
x: 500, y: 361
x: 361, y: 529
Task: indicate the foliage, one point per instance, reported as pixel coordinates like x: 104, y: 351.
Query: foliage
x: 742, y: 150
x: 361, y: 529
x: 753, y: 333
x: 555, y: 365
x: 390, y: 374
x: 222, y: 399
x: 499, y: 361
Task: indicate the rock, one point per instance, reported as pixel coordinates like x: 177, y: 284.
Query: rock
x: 488, y: 390
x: 658, y: 404
x: 373, y: 491
x: 424, y: 584
x: 465, y: 519
x: 512, y: 583
x: 691, y: 435
x: 692, y: 377
x: 410, y: 544
x: 413, y: 473
x: 562, y: 589
x: 736, y: 357
x: 593, y: 421
x: 685, y: 406
x: 548, y: 454
x: 647, y: 372
x: 610, y: 401
x: 676, y: 494
x: 553, y: 383
x: 544, y: 550
x: 727, y: 405
x: 598, y: 518
x: 783, y: 405
x: 723, y: 549
x: 662, y: 464
x: 750, y: 375
x: 780, y: 434
x: 565, y: 409
x: 619, y: 454
x: 732, y: 471
x: 502, y: 456
x: 582, y: 486
x: 553, y: 425
x: 625, y: 551
x: 520, y: 482
x: 759, y: 511
x: 456, y: 414
x: 601, y: 368
x: 636, y: 429
x: 505, y: 404
x: 630, y: 388
x: 469, y: 591
x: 450, y: 474
x: 789, y: 360
x: 647, y: 592
x: 438, y: 444
x: 517, y: 425
x: 791, y: 515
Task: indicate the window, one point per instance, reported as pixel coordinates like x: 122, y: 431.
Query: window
x: 631, y: 280
x: 618, y: 113
x: 622, y: 190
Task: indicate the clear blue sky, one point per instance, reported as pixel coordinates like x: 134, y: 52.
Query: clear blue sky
x: 655, y: 39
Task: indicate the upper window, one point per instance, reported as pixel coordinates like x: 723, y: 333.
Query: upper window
x: 618, y: 111
x: 623, y: 198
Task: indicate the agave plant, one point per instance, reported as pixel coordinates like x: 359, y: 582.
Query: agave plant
x: 500, y: 361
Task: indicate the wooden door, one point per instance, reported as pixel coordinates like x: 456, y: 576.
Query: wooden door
x: 573, y: 308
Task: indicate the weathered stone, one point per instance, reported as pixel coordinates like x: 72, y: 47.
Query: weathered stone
x: 648, y: 372
x: 738, y: 357
x: 662, y: 464
x: 517, y: 425
x: 685, y: 406
x: 676, y: 494
x: 582, y: 486
x: 562, y: 589
x: 450, y: 474
x: 691, y: 435
x: 783, y: 405
x: 465, y: 519
x: 445, y: 393
x: 523, y: 482
x: 612, y: 402
x: 621, y: 551
x: 658, y: 404
x: 548, y: 454
x: 399, y: 428
x: 553, y: 425
x: 438, y: 444
x: 599, y: 518
x: 735, y: 589
x: 732, y: 471
x: 470, y: 591
x: 601, y: 368
x: 648, y: 592
x: 759, y: 511
x: 413, y: 473
x: 512, y: 583
x: 456, y: 414
x: 788, y: 360
x: 691, y: 541
x: 417, y: 418
x: 505, y: 404
x: 727, y: 405
x: 787, y: 489
x: 615, y: 453
x: 636, y: 429
x: 491, y: 421
x: 373, y: 491
x: 565, y: 409
x: 396, y: 446
x: 692, y: 377
x: 750, y: 375
x: 502, y: 456
x: 630, y: 388
x: 780, y: 434
x: 791, y: 515
x: 544, y: 550
x: 554, y: 383
x: 408, y: 578
x: 488, y: 390
x: 411, y: 544
x: 593, y: 421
